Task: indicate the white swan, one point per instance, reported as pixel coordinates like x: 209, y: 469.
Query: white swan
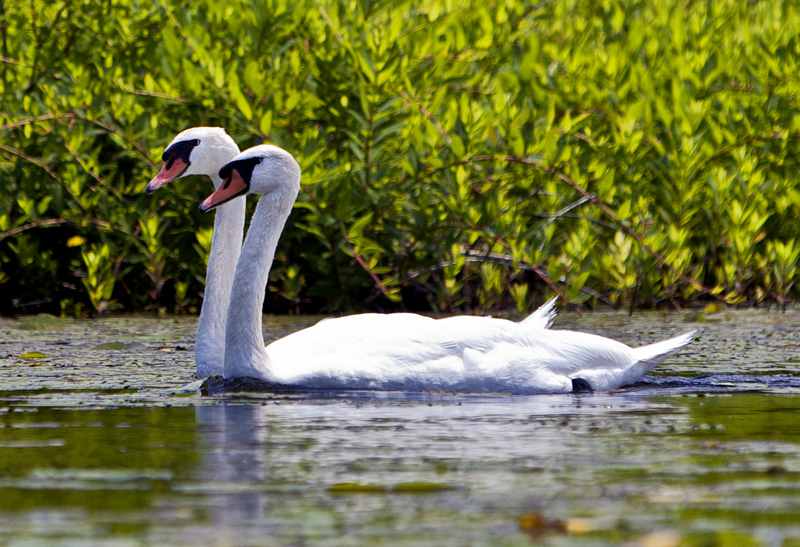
x: 478, y: 354
x: 203, y: 151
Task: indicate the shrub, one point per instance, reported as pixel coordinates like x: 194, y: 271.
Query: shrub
x: 455, y: 156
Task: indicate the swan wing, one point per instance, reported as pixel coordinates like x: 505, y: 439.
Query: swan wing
x: 543, y: 317
x: 479, y: 354
x: 337, y: 333
x: 430, y: 356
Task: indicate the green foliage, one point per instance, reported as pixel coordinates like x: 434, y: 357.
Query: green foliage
x: 100, y: 276
x: 453, y: 154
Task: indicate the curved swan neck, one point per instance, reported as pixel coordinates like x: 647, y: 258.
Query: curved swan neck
x: 226, y: 245
x: 244, y: 340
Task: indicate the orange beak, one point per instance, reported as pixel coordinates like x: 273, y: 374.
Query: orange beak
x: 232, y: 187
x: 170, y: 171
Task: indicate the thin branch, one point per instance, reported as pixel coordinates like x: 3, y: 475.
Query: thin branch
x: 546, y: 278
x: 330, y: 23
x: 45, y: 117
x: 55, y: 222
x: 360, y: 260
x: 94, y: 175
x: 42, y: 165
x: 474, y: 256
x: 158, y: 95
x: 35, y: 161
x: 568, y: 208
x: 74, y: 116
x: 10, y: 61
x: 111, y: 129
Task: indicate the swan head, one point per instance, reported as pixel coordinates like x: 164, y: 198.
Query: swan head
x: 195, y: 151
x: 263, y: 169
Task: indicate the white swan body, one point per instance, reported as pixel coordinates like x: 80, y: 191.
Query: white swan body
x: 471, y: 354
x: 202, y: 151
x: 476, y: 354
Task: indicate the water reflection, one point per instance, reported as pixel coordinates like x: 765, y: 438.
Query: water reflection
x: 269, y: 464
x: 235, y: 460
x: 459, y: 468
x: 407, y: 468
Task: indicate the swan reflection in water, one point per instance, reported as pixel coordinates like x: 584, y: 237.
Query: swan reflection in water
x: 235, y: 459
x: 268, y: 466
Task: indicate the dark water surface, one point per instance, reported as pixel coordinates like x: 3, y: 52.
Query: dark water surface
x: 116, y: 445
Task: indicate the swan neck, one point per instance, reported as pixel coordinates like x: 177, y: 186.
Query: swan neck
x: 244, y: 340
x: 226, y: 245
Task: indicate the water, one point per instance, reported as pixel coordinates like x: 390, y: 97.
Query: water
x: 118, y: 446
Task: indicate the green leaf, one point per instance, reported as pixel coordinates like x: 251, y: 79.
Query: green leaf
x: 32, y: 355
x: 457, y: 146
x: 242, y: 102
x: 265, y: 125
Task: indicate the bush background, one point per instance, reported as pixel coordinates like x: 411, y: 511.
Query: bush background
x: 455, y: 156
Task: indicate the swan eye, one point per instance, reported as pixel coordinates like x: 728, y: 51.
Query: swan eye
x: 180, y: 150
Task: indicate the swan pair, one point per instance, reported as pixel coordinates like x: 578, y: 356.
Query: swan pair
x: 399, y: 351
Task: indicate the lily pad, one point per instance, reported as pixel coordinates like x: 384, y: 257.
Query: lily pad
x: 43, y: 321
x: 33, y: 355
x: 356, y: 488
x: 420, y: 487
x: 119, y: 346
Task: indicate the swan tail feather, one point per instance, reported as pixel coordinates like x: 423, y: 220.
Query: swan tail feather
x: 543, y: 317
x: 647, y: 357
x: 653, y: 354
